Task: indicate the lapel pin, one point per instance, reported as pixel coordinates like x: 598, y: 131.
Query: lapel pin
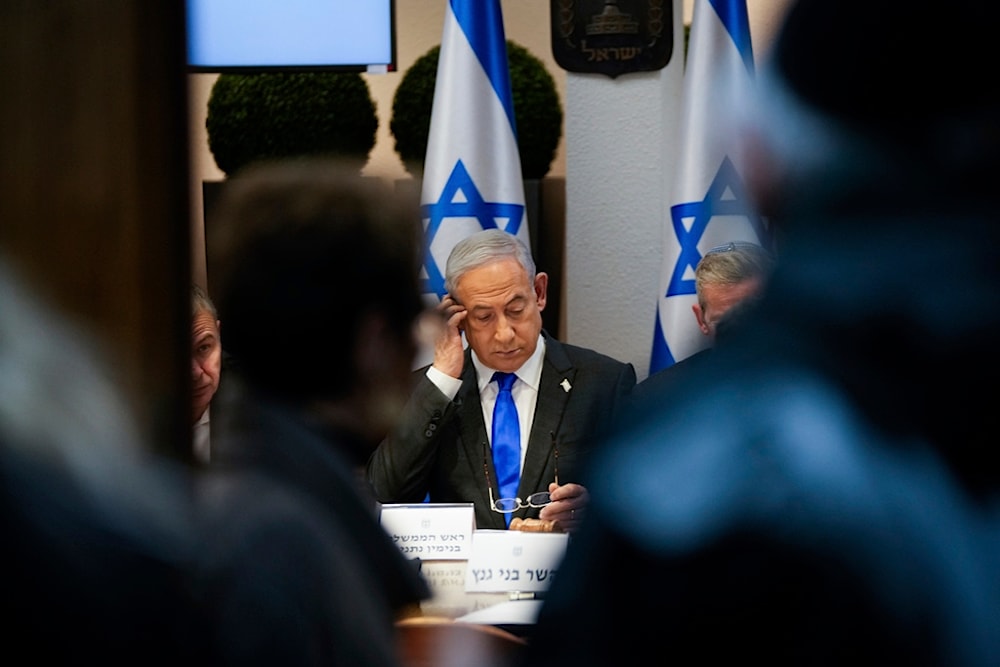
x: 566, y: 385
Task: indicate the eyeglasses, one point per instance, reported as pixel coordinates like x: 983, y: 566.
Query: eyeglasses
x: 536, y: 500
x: 733, y: 246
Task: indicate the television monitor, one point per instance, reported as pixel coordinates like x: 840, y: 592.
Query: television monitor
x: 291, y: 35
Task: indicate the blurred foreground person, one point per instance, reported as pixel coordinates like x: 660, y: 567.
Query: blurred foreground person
x: 827, y: 492
x: 98, y: 538
x: 314, y: 272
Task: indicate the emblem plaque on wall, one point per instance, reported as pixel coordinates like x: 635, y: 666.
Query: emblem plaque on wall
x: 612, y: 37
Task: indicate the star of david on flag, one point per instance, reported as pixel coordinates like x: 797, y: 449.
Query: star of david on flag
x: 708, y: 203
x: 472, y: 170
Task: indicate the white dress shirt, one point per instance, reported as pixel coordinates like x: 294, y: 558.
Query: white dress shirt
x: 524, y: 391
x: 202, y: 452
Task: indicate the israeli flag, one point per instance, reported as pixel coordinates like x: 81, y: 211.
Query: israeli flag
x: 708, y: 205
x: 472, y: 170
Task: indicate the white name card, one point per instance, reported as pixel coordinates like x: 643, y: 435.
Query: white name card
x: 430, y: 531
x: 513, y: 560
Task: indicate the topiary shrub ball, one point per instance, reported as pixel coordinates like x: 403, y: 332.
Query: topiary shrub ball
x: 267, y: 116
x: 410, y: 124
x: 537, y: 111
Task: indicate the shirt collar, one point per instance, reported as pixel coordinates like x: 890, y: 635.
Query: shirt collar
x: 530, y: 372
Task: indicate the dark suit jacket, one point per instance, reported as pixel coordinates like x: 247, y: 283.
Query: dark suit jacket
x: 439, y: 446
x: 653, y: 393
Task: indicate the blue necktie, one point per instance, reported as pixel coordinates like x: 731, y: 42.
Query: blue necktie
x: 506, y: 439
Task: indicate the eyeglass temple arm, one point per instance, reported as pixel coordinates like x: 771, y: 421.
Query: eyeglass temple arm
x: 489, y: 485
x: 555, y: 451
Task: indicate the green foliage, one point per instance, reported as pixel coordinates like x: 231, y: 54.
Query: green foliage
x: 410, y: 124
x: 255, y: 117
x: 537, y: 111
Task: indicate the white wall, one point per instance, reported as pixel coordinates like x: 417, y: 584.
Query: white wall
x: 614, y: 156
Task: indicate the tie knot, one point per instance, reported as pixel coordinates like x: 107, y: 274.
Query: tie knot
x: 505, y: 380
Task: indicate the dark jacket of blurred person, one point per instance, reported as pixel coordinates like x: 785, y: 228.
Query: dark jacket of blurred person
x: 99, y: 544
x: 827, y: 492
x: 314, y: 272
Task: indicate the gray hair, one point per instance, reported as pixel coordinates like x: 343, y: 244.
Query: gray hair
x: 732, y: 264
x: 483, y: 248
x: 200, y: 302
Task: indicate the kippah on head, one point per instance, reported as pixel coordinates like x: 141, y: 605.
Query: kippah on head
x: 891, y: 64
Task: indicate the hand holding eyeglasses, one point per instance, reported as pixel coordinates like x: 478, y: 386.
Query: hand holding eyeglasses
x: 565, y: 520
x: 561, y: 507
x: 567, y: 507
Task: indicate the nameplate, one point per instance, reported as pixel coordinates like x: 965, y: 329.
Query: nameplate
x: 514, y: 561
x: 430, y: 531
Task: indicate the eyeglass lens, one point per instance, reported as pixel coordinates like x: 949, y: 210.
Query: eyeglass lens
x: 536, y: 500
x: 508, y: 505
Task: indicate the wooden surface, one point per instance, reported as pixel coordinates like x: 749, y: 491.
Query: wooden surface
x: 430, y: 641
x: 94, y: 187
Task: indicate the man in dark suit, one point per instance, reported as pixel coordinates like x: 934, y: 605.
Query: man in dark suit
x: 206, y: 368
x: 565, y: 397
x: 728, y: 281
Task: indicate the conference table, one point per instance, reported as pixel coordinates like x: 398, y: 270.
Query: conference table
x: 447, y: 580
x: 491, y: 577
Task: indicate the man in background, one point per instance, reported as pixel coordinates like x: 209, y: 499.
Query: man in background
x: 206, y: 367
x: 728, y: 281
x: 726, y: 276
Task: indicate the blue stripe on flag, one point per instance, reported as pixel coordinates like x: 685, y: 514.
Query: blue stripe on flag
x: 661, y: 357
x: 472, y: 169
x: 483, y: 27
x: 733, y: 14
x: 708, y: 203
